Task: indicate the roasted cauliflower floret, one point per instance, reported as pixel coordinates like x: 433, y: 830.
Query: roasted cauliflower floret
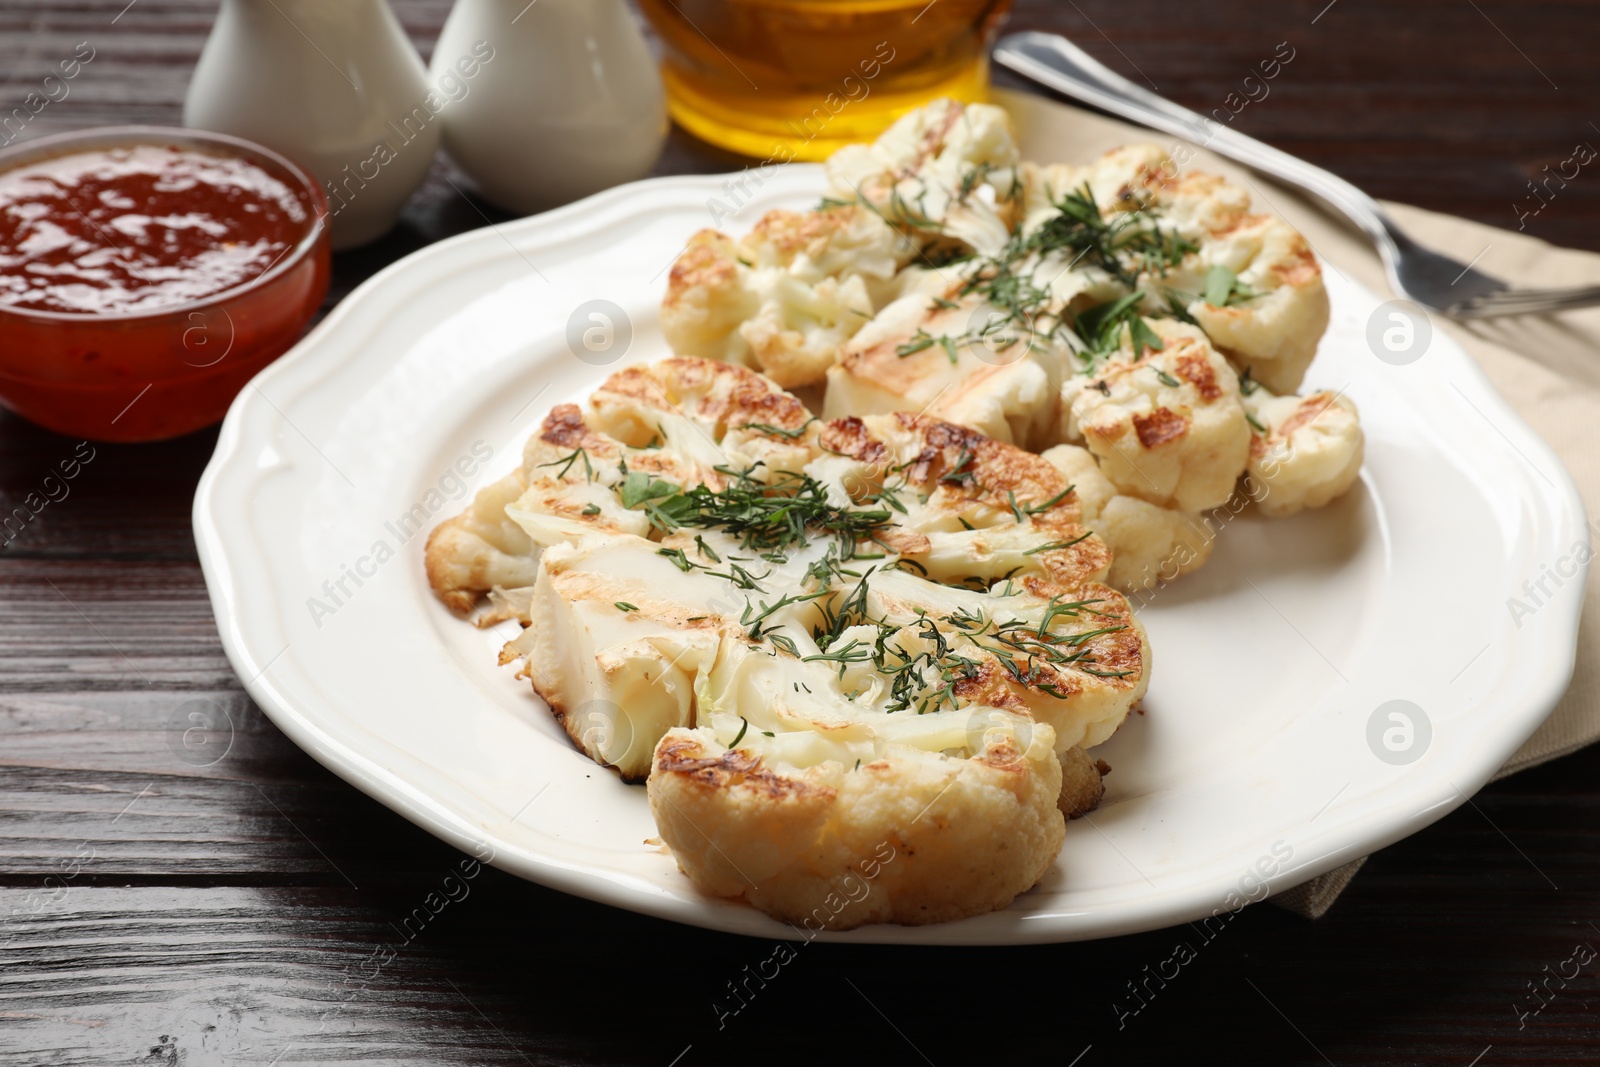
x: 831, y: 242
x: 946, y: 173
x: 1271, y: 308
x: 1167, y: 425
x: 1149, y: 544
x: 1144, y: 178
x: 1082, y: 783
x: 709, y: 296
x: 785, y: 297
x: 796, y: 335
x: 1152, y: 545
x: 1309, y: 453
x: 481, y: 548
x: 492, y: 546
x: 1083, y: 241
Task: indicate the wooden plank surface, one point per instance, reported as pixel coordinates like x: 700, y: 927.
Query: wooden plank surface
x: 236, y: 903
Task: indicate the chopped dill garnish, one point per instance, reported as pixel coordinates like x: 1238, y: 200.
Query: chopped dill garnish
x: 678, y: 557
x: 1051, y: 546
x: 566, y: 462
x: 1052, y: 502
x: 1178, y: 305
x: 1127, y: 245
x: 778, y: 431
x: 919, y: 341
x: 1100, y: 327
x: 766, y: 516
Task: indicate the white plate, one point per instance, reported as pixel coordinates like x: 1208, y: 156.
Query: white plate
x: 1269, y: 663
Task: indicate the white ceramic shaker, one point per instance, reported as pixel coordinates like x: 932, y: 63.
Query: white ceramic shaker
x: 334, y: 85
x: 570, y: 102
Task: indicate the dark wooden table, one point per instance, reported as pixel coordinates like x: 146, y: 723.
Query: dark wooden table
x: 248, y: 911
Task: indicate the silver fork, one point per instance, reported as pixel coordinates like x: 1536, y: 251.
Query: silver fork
x: 1433, y: 280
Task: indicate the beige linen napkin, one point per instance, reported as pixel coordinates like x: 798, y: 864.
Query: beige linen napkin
x: 1547, y: 367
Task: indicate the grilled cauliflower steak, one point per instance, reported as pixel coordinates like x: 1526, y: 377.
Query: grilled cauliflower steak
x: 975, y: 546
x: 906, y: 834
x: 1116, y: 270
x: 784, y: 297
x: 1249, y: 280
x: 939, y: 354
x: 991, y: 543
x: 989, y: 281
x: 814, y: 638
x: 1308, y: 453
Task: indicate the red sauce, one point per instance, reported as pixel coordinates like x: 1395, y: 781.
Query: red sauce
x: 146, y: 275
x: 140, y: 229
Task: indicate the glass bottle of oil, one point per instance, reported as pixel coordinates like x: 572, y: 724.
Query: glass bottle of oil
x: 796, y: 79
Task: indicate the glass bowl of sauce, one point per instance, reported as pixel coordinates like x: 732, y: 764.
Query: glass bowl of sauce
x: 147, y: 274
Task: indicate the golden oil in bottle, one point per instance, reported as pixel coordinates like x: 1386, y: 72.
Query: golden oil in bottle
x: 797, y: 79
